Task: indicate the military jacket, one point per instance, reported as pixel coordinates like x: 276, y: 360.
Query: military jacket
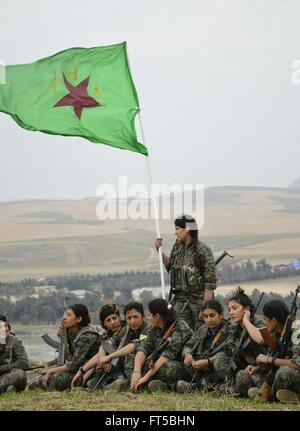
x: 13, y: 355
x: 186, y: 278
x: 82, y: 346
x: 130, y: 335
x: 251, y: 351
x: 173, y: 349
x: 205, y: 340
x: 293, y: 348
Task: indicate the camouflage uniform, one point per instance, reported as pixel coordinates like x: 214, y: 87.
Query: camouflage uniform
x: 97, y: 374
x: 83, y: 345
x: 286, y: 377
x: 199, y: 346
x: 238, y: 380
x: 126, y: 364
x: 13, y: 363
x: 174, y: 369
x: 133, y: 336
x: 189, y: 281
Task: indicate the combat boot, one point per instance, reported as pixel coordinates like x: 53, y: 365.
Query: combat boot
x: 183, y: 387
x: 254, y: 393
x: 35, y: 383
x: 119, y: 385
x: 289, y: 397
x: 157, y: 385
x: 11, y: 388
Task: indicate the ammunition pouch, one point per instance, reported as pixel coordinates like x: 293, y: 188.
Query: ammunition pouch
x: 186, y: 279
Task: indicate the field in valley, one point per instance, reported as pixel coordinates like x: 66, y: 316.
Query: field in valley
x: 41, y: 238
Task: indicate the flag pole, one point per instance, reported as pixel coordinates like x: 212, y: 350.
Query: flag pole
x: 153, y: 200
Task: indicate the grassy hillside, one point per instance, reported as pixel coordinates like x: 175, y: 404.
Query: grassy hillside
x: 39, y: 238
x: 276, y: 285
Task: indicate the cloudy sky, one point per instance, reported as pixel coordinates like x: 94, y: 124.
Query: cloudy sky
x: 214, y: 81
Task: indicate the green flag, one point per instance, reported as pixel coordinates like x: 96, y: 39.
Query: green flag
x: 85, y: 92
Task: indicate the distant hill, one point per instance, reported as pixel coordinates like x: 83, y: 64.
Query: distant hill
x: 295, y: 184
x: 43, y: 237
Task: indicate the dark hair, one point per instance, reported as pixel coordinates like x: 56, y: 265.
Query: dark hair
x: 134, y: 306
x: 214, y: 305
x: 160, y: 306
x: 240, y: 297
x: 4, y: 319
x: 276, y: 309
x: 106, y: 311
x: 81, y: 310
x: 189, y: 221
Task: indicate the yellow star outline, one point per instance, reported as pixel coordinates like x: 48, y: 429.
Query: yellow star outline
x: 96, y: 91
x: 72, y: 75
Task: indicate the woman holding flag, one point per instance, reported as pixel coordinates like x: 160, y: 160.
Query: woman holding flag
x: 192, y: 268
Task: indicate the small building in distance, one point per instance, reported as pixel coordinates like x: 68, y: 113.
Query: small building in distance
x: 80, y: 293
x: 44, y: 290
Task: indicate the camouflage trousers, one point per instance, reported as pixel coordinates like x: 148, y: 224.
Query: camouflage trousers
x: 191, y: 313
x: 243, y: 382
x: 287, y: 378
x: 202, y: 378
x: 123, y: 371
x: 57, y: 382
x: 129, y: 365
x: 16, y: 378
x: 106, y: 378
x: 221, y: 364
x: 170, y: 372
x: 238, y: 382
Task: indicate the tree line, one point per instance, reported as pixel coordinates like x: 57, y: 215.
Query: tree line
x: 118, y: 287
x: 129, y: 280
x: 49, y: 309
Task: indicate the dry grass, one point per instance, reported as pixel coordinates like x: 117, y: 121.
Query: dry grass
x: 112, y: 401
x: 282, y: 286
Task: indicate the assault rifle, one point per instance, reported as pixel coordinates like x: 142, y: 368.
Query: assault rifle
x: 149, y: 363
x: 279, y: 348
x: 59, y: 346
x: 244, y: 341
x: 114, y: 362
x: 173, y: 276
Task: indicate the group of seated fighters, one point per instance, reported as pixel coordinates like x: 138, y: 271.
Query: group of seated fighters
x: 163, y: 353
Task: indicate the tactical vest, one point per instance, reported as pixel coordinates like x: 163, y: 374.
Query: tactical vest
x: 185, y: 276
